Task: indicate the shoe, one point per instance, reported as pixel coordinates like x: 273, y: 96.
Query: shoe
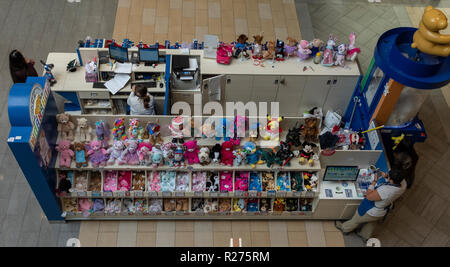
x: 338, y: 225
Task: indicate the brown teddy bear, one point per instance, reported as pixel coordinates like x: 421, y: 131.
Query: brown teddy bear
x: 224, y: 205
x: 427, y: 38
x: 310, y: 130
x: 270, y: 53
x: 138, y: 181
x: 65, y: 126
x: 182, y: 204
x: 80, y: 155
x: 95, y: 182
x: 169, y: 204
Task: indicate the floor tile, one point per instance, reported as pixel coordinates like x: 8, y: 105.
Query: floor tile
x: 240, y: 226
x: 278, y: 238
x: 259, y: 226
x: 295, y: 226
x: 109, y: 226
x: 260, y: 239
x: 222, y: 226
x: 146, y: 239
x: 126, y: 236
x: 222, y: 239
x: 203, y: 239
x: 315, y: 234
x: 297, y: 239
x: 184, y: 239
x: 107, y: 239
x: 334, y: 239
x: 165, y: 239
x: 184, y: 226
x: 146, y: 226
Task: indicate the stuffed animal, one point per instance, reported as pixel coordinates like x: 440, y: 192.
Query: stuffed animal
x: 154, y: 181
x: 208, y: 130
x: 168, y: 181
x: 353, y: 51
x: 95, y: 182
x: 99, y: 205
x: 64, y: 183
x: 253, y: 154
x: 290, y: 47
x: 97, y: 154
x: 328, y: 54
x: 70, y: 205
x: 280, y: 50
x: 140, y: 205
x: 224, y: 205
x: 115, y: 152
x: 264, y: 205
x: 135, y: 130
x: 257, y: 47
x: 340, y: 55
x: 110, y: 182
x: 253, y: 132
x: 130, y: 153
x: 293, y: 136
x: 267, y: 181
x: 226, y: 181
x: 283, y: 182
x: 241, y: 46
x: 254, y: 182
x: 356, y: 141
x: 118, y: 130
x: 273, y: 129
x: 168, y: 153
x: 85, y: 206
x: 145, y: 154
x: 198, y: 181
x: 279, y: 204
x: 65, y: 153
x: 113, y: 206
x: 270, y: 158
x: 252, y: 205
x: 83, y: 130
x: 170, y: 204
x: 80, y: 155
x: 178, y: 157
x: 176, y: 130
x: 292, y: 204
x: 157, y: 157
x: 215, y: 153
x: 270, y: 52
x: 152, y: 132
x: 138, y: 181
x: 182, y: 204
x: 239, y: 157
x: 296, y: 182
x: 212, y: 182
x: 102, y: 132
x: 191, y: 152
x: 310, y: 181
x: 182, y: 182
x: 128, y: 206
x: 226, y: 153
x: 197, y: 204
x: 65, y: 126
x: 285, y: 154
x: 210, y: 205
x: 307, y: 154
x: 81, y: 182
x: 225, y: 129
x: 316, y: 46
x: 203, y: 156
x: 155, y: 205
x: 241, y: 181
x: 427, y: 38
x: 124, y: 181
x: 310, y: 130
x: 303, y: 51
x: 239, y: 205
x: 305, y: 204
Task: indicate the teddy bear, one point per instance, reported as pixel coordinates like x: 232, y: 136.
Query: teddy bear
x: 215, y: 153
x: 115, y: 151
x: 154, y: 181
x: 84, y: 130
x: 168, y: 152
x: 152, y: 132
x: 257, y: 47
x: 226, y: 153
x: 157, y: 157
x: 268, y: 183
x: 81, y: 182
x: 124, y: 181
x: 264, y: 205
x: 197, y: 204
x: 224, y: 205
x: 70, y: 205
x: 80, y: 155
x: 155, y: 205
x: 198, y: 181
x: 316, y: 46
x: 182, y: 204
x: 226, y: 181
x: 97, y: 154
x: 170, y: 204
x: 210, y: 205
x: 252, y: 205
x: 145, y: 154
x: 140, y: 205
x: 85, y: 206
x: 304, y: 51
x: 279, y: 204
x: 241, y: 46
x: 427, y: 38
x: 138, y: 181
x: 110, y: 182
x: 203, y: 156
x: 65, y: 126
x: 191, y: 152
x: 65, y: 153
x: 99, y: 205
x: 95, y: 182
x: 241, y: 181
x: 130, y: 153
x: 290, y: 46
x: 310, y: 130
x: 270, y: 52
x: 64, y: 183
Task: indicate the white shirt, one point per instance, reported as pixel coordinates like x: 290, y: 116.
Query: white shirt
x: 388, y: 194
x: 137, y: 105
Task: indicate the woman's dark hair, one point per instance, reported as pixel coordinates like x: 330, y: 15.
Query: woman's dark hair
x: 16, y: 63
x: 142, y: 93
x: 396, y: 175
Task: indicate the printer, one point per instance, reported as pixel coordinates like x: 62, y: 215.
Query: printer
x: 185, y: 72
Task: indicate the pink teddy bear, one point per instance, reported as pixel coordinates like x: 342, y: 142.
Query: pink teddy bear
x: 110, y: 184
x: 227, y: 153
x: 191, y: 152
x: 97, y: 154
x: 124, y: 181
x: 226, y: 181
x: 65, y: 153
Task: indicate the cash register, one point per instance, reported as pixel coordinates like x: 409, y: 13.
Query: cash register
x: 339, y: 181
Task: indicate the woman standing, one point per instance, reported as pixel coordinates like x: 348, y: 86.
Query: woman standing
x: 20, y: 67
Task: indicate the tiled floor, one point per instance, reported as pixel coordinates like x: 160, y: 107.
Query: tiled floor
x: 211, y: 233
x: 183, y: 20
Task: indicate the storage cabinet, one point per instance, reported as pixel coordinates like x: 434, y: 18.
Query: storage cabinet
x: 290, y: 93
x: 340, y: 92
x: 239, y: 88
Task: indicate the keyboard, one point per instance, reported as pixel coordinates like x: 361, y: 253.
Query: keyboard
x: 147, y: 84
x: 98, y: 85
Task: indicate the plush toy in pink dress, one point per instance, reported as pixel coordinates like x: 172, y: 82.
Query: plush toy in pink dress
x: 304, y: 50
x: 145, y: 153
x: 97, y: 154
x: 191, y: 152
x: 328, y: 54
x: 65, y: 153
x: 290, y: 46
x: 110, y: 183
x: 353, y: 51
x: 226, y: 181
x: 227, y: 153
x: 115, y: 151
x: 124, y: 181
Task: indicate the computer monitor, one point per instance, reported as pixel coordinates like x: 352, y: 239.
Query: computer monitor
x: 149, y: 55
x: 341, y: 173
x: 118, y: 53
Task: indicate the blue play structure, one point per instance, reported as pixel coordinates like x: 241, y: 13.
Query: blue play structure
x: 418, y: 72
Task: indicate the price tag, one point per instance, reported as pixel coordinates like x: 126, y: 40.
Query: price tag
x: 253, y: 194
x: 281, y: 194
x: 310, y: 194
x: 96, y: 194
x: 119, y: 194
x: 99, y: 213
x: 297, y: 193
x: 180, y: 213
x: 170, y: 213
x: 82, y: 194
x: 138, y: 194
x: 179, y: 194
x: 238, y: 213
x: 238, y: 194
x: 190, y: 168
x: 198, y: 194
x: 213, y: 194
x: 167, y: 194
x: 251, y: 213
x: 245, y: 194
x: 111, y: 214
x: 124, y: 213
x: 199, y: 213
x: 224, y: 194
x: 127, y: 193
x: 107, y: 194
x: 295, y: 213
x: 152, y: 213
x: 271, y: 194
x: 153, y: 194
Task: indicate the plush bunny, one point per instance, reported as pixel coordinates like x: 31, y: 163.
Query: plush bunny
x: 65, y: 153
x: 340, y: 55
x: 138, y: 181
